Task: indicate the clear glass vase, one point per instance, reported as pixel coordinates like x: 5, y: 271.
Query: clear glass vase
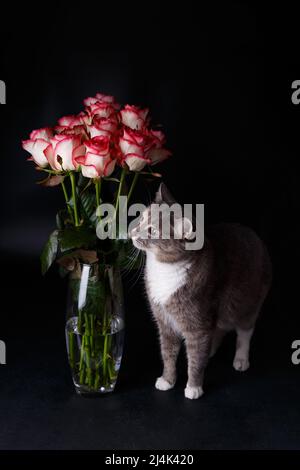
x: 95, y: 327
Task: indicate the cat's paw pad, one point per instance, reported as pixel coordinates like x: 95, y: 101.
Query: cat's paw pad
x: 193, y: 392
x: 163, y: 384
x: 241, y: 364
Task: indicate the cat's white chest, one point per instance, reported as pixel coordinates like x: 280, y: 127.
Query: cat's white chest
x: 164, y: 279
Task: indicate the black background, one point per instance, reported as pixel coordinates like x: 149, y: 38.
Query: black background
x: 218, y: 78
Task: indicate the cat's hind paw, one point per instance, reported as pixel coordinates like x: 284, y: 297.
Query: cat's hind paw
x: 240, y: 364
x: 193, y: 392
x: 163, y: 384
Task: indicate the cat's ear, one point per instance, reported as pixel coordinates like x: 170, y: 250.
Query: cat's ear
x: 183, y: 228
x: 164, y: 195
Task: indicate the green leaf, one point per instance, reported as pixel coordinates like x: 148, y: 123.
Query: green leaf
x: 51, y: 181
x: 82, y: 181
x: 49, y: 252
x: 61, y: 216
x: 88, y: 206
x: 107, y: 178
x: 76, y: 237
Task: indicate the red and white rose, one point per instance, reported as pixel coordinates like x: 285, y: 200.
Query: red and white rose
x: 62, y: 152
x: 102, y: 126
x: 101, y: 98
x: 134, y: 117
x: 38, y: 142
x: 141, y: 148
x: 133, y: 148
x: 102, y: 110
x: 97, y: 161
x: 156, y: 153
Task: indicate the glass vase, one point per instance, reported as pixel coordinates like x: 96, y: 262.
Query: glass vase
x: 95, y: 327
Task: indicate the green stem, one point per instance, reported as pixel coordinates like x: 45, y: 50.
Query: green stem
x: 88, y: 359
x: 51, y: 172
x: 65, y: 191
x: 122, y: 178
x: 105, y: 357
x: 67, y: 200
x: 81, y: 363
x: 98, y: 191
x: 72, y: 177
x: 133, y: 184
x: 71, y: 349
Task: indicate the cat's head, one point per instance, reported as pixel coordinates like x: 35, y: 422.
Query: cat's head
x: 162, y: 229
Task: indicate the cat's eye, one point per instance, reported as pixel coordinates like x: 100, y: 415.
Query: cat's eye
x: 152, y: 231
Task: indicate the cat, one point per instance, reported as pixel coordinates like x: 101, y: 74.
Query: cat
x: 198, y: 296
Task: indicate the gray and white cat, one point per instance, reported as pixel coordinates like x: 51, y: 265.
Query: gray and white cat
x: 198, y: 296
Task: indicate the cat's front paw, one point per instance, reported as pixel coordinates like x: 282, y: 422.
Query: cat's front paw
x: 193, y: 392
x: 163, y: 384
x: 241, y: 364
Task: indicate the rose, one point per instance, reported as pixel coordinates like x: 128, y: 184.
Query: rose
x: 63, y: 151
x: 134, y: 117
x: 76, y: 130
x: 156, y: 153
x: 133, y: 146
x: 73, y: 125
x: 71, y: 120
x: 102, y: 110
x: 139, y: 148
x: 101, y: 106
x: 100, y: 98
x: 102, y: 126
x: 97, y: 161
x: 38, y: 142
x: 44, y: 133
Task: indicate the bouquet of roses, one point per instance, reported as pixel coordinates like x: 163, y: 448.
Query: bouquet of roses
x: 87, y: 149
x: 102, y: 145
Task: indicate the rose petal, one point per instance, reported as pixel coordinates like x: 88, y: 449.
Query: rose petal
x: 36, y: 149
x: 89, y: 171
x: 135, y: 162
x: 158, y: 155
x: 129, y: 147
x: 44, y: 133
x: 109, y: 167
x: 49, y: 154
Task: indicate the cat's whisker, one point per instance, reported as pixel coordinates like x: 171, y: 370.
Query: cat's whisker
x: 139, y: 272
